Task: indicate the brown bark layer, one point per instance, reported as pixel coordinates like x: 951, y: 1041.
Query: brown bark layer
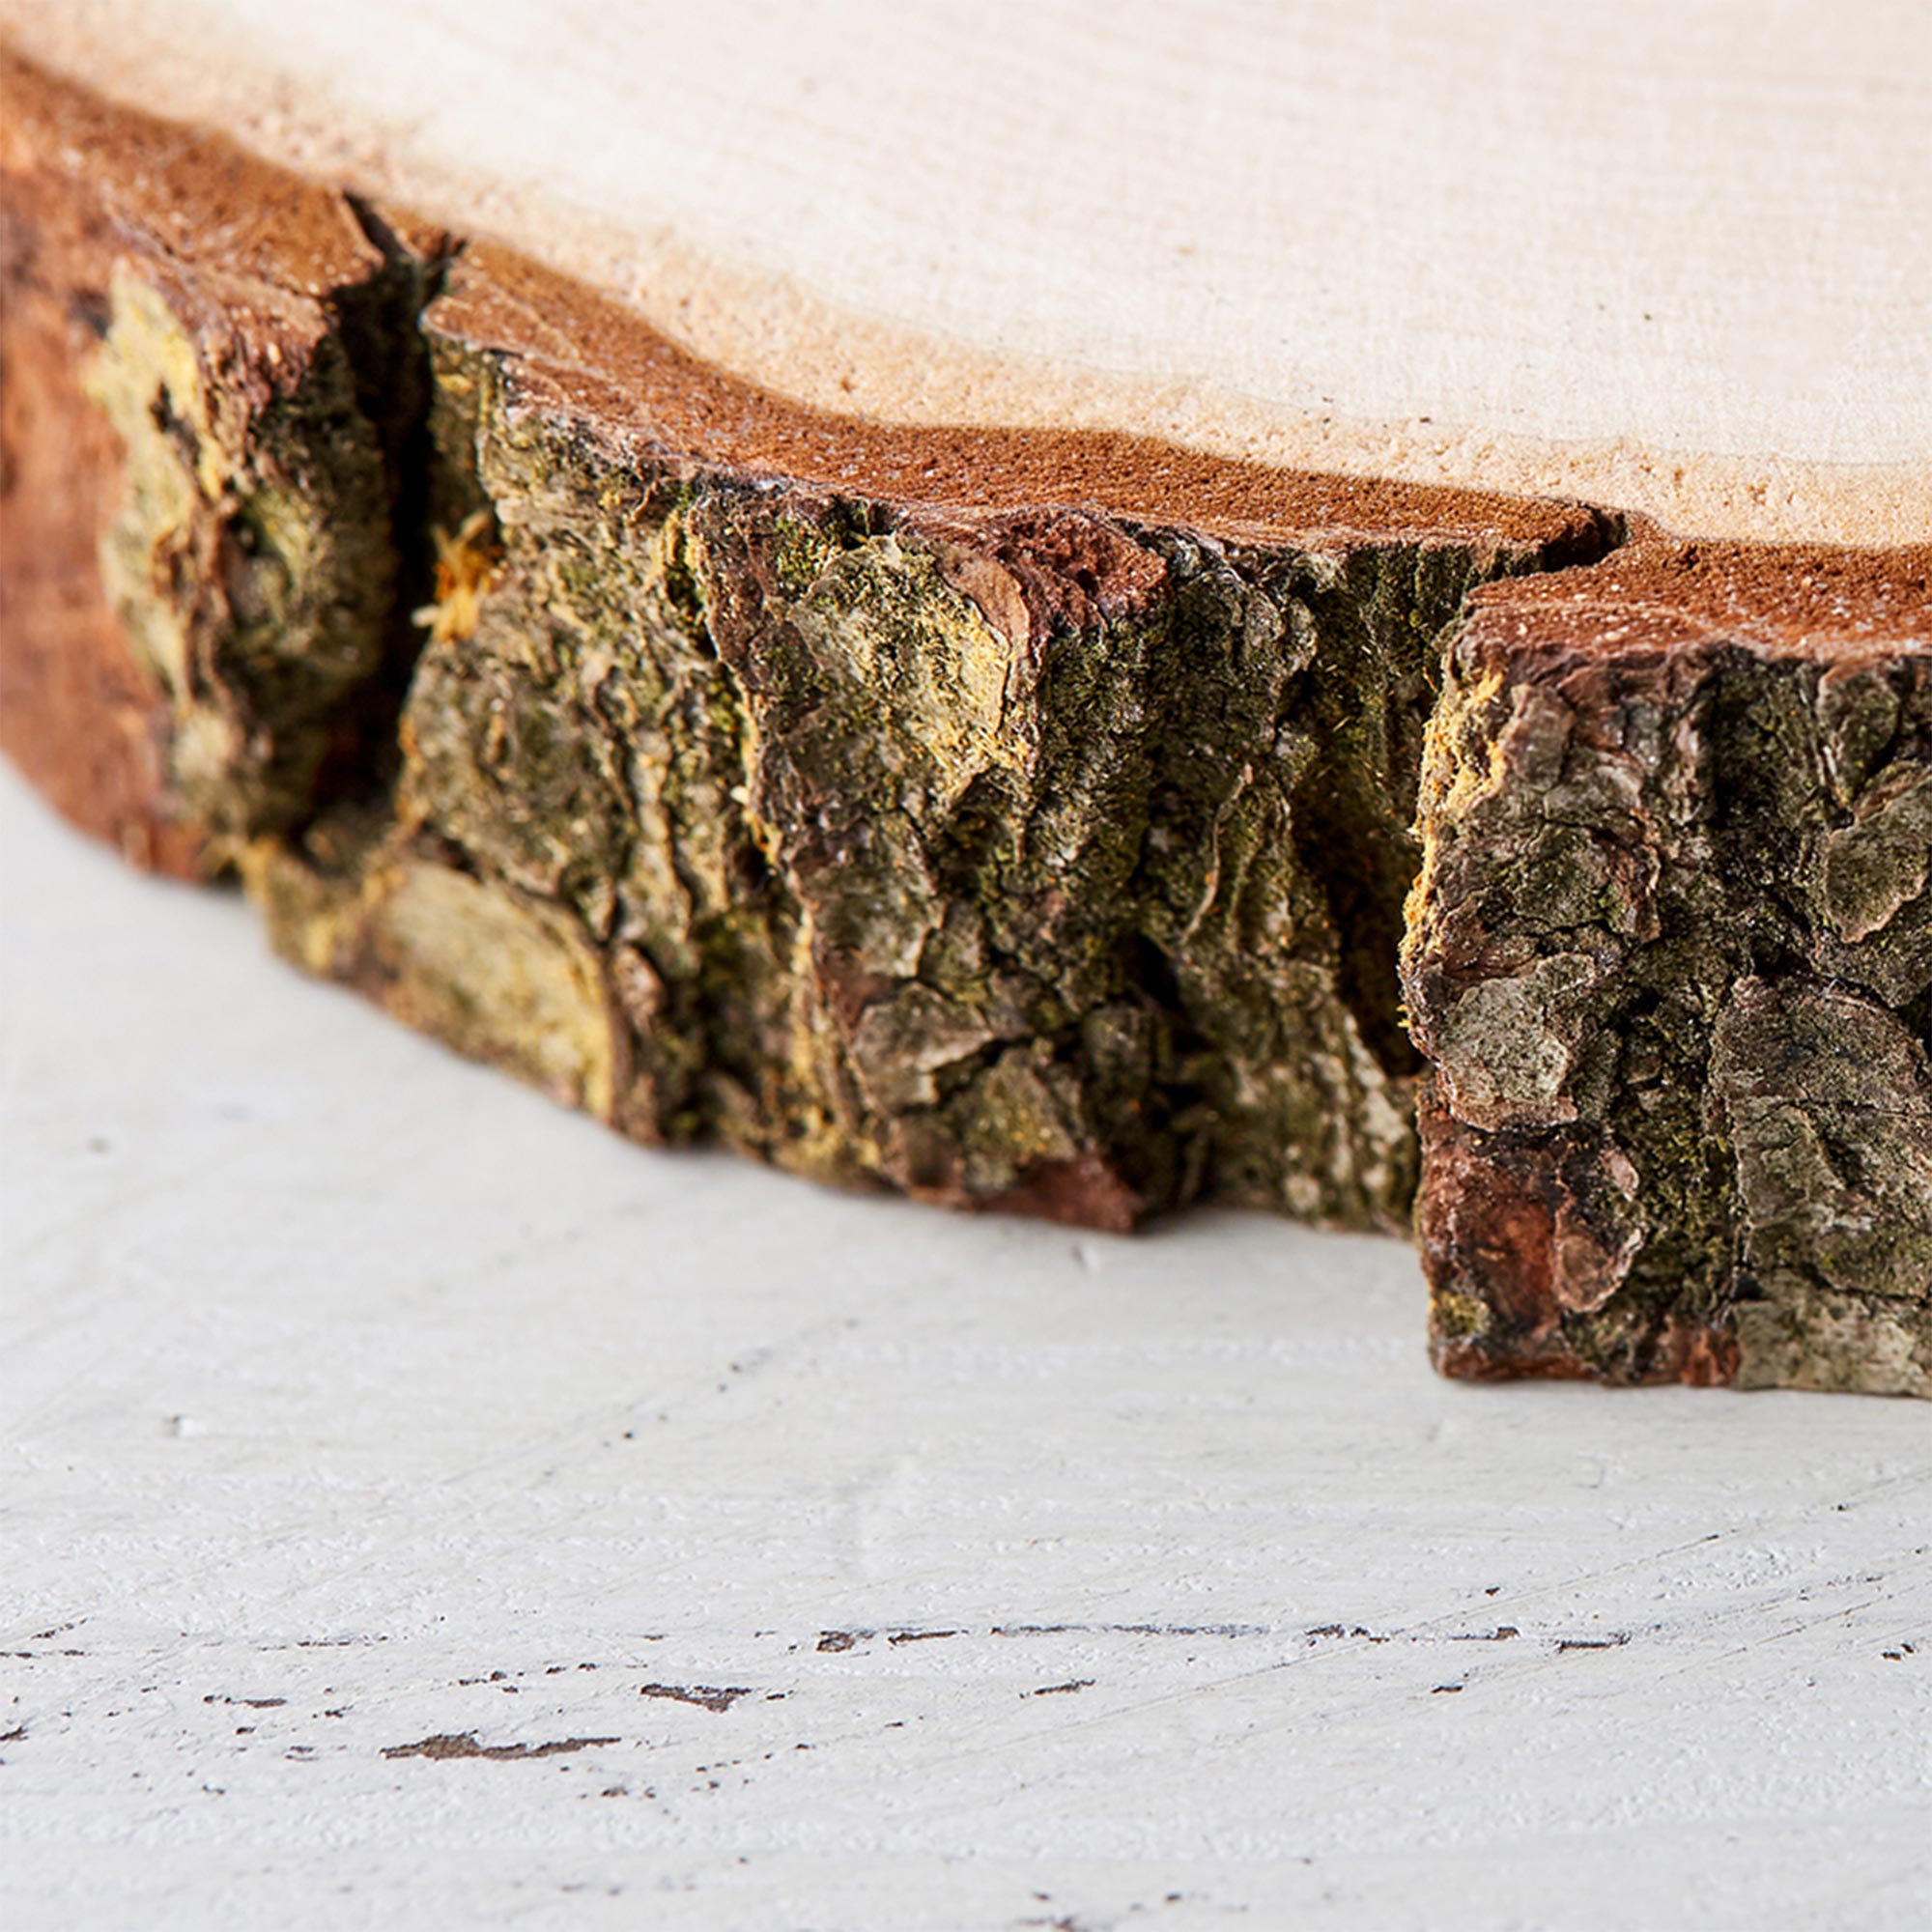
x: 195, y: 551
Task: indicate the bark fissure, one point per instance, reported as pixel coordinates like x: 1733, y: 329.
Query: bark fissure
x: 380, y: 320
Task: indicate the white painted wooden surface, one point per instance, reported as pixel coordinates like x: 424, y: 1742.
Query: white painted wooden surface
x: 352, y: 1398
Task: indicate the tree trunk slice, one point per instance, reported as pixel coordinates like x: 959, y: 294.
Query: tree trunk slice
x: 1016, y: 816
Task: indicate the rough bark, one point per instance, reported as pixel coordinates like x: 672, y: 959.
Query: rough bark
x: 1023, y: 855
x: 894, y: 806
x: 203, y: 389
x: 1671, y: 959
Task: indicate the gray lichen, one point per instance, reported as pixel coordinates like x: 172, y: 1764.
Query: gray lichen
x: 1827, y: 1100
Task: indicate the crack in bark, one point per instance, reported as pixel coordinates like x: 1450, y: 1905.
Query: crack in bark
x: 1031, y: 858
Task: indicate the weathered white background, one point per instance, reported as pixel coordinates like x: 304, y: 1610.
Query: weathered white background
x: 351, y: 1398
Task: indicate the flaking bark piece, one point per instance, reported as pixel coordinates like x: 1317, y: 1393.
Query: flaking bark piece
x: 1670, y: 959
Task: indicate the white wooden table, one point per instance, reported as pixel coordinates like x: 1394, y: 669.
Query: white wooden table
x: 422, y: 1508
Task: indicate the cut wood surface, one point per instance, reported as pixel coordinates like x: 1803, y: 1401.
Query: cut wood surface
x: 1667, y: 259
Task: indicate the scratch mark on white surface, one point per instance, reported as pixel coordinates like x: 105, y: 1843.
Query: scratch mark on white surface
x: 448, y: 1745
x: 707, y: 1696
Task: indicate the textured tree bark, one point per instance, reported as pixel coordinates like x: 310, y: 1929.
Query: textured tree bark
x: 1671, y: 959
x: 834, y: 793
x: 196, y: 549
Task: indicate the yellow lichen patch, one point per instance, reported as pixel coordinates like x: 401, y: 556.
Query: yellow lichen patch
x: 248, y: 557
x: 147, y: 370
x: 145, y: 378
x: 1457, y: 1317
x: 466, y: 567
x: 312, y: 921
x: 495, y: 974
x: 1451, y: 783
x: 917, y: 656
x: 498, y: 976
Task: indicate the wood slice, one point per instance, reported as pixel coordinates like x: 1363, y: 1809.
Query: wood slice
x: 875, y: 588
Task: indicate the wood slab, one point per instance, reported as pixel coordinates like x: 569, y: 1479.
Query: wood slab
x: 802, y: 580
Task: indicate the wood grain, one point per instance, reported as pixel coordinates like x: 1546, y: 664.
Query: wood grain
x: 1662, y: 263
